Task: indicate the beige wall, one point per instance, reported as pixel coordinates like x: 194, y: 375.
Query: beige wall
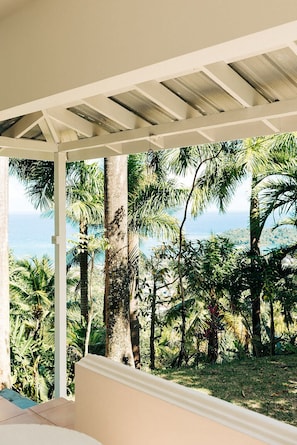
x: 53, y: 46
x: 112, y: 411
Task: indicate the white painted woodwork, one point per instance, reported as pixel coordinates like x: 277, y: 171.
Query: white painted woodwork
x: 179, y: 415
x: 114, y: 111
x: 26, y: 144
x: 26, y: 123
x: 27, y: 154
x: 50, y: 128
x: 236, y: 86
x: 59, y: 240
x: 215, y: 126
x: 71, y: 120
x: 167, y: 100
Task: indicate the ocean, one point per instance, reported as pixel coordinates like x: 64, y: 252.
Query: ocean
x: 30, y: 234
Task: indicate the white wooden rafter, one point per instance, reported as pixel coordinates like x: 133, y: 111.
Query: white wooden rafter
x: 50, y: 128
x: 93, y: 153
x: 262, y: 114
x: 223, y: 75
x: 47, y: 133
x: 115, y: 112
x: 25, y: 124
x: 70, y: 120
x: 167, y: 100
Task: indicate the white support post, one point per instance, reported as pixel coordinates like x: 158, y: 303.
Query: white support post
x: 59, y: 239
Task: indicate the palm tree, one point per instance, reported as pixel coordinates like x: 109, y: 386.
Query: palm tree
x: 84, y: 192
x: 214, y: 177
x: 157, y: 277
x: 86, y: 202
x: 32, y: 315
x: 278, y: 190
x: 262, y: 158
x: 4, y: 281
x: 212, y: 262
x: 151, y: 193
x: 32, y: 286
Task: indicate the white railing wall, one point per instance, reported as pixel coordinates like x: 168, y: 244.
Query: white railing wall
x: 119, y: 405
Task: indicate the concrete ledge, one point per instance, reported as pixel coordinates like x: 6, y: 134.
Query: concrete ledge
x: 111, y: 384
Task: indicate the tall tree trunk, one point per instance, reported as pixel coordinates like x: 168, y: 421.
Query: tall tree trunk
x: 153, y: 297
x: 255, y: 288
x: 91, y: 309
x: 134, y: 285
x: 213, y: 340
x: 5, y: 381
x: 272, y: 328
x: 83, y: 262
x: 117, y: 295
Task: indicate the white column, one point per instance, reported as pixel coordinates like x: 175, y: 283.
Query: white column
x: 59, y: 239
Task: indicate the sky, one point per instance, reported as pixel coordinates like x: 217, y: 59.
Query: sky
x: 19, y: 203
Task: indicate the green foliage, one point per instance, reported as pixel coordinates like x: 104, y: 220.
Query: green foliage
x: 200, y: 293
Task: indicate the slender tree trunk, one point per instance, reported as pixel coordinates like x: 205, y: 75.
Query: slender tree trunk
x: 255, y: 288
x: 5, y: 381
x: 134, y: 285
x: 117, y: 295
x: 272, y: 329
x: 182, y: 352
x: 91, y: 310
x: 213, y: 341
x: 153, y: 326
x: 83, y: 262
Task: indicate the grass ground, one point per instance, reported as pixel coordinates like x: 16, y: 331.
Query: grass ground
x: 266, y: 385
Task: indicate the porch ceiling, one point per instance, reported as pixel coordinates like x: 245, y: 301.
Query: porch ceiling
x: 249, y: 88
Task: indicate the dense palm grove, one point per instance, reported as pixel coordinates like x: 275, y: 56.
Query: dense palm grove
x: 190, y: 300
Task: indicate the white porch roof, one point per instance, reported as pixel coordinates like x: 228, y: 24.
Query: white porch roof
x: 93, y: 79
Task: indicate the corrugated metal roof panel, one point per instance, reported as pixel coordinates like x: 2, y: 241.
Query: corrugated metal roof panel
x: 93, y: 116
x: 202, y: 93
x: 143, y: 107
x: 274, y: 74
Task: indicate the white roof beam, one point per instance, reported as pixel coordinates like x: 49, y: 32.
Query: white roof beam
x: 27, y: 144
x: 49, y: 126
x: 167, y: 100
x: 92, y: 153
x: 71, y: 120
x: 206, y: 136
x: 235, y: 85
x: 258, y: 114
x: 139, y: 146
x: 43, y: 125
x: 115, y: 112
x: 115, y: 148
x: 22, y: 126
x: 27, y: 154
x: 271, y: 126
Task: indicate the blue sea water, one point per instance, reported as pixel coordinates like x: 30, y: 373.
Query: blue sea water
x: 30, y: 234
